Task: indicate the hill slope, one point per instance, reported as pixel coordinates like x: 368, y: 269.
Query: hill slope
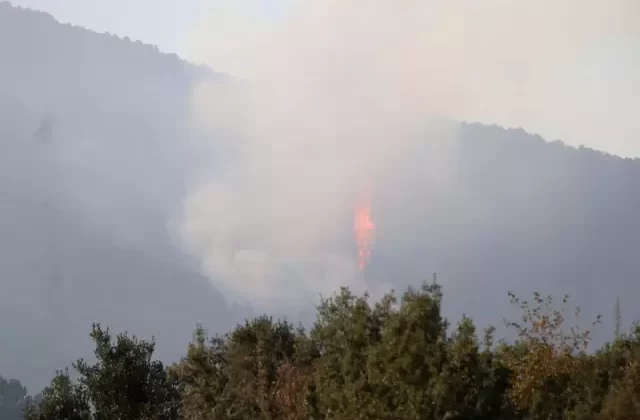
x: 95, y: 161
x: 517, y: 213
x: 91, y: 168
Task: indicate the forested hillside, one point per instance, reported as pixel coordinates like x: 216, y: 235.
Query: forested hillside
x: 97, y: 154
x: 518, y: 213
x: 91, y: 170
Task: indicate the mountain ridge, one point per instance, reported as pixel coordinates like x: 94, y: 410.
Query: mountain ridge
x: 86, y: 227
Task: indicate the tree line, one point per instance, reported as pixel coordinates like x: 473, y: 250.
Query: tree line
x: 395, y: 358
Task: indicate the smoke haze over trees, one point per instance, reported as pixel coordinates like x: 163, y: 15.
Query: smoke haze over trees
x: 101, y: 165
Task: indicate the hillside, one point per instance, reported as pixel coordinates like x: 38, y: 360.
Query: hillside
x: 88, y: 198
x: 519, y: 214
x: 83, y: 234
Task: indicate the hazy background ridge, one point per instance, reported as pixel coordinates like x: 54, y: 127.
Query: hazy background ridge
x: 165, y: 192
x: 340, y: 95
x: 86, y: 207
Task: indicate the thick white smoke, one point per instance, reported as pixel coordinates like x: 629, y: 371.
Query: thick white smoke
x: 335, y: 92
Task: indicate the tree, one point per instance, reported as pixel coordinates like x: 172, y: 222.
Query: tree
x: 462, y: 373
x: 123, y: 384
x: 622, y: 374
x: 381, y: 362
x: 295, y: 395
x: 61, y: 400
x: 493, y: 402
x: 236, y: 376
x: 392, y: 360
x: 202, y: 376
x: 407, y: 368
x: 547, y: 362
x: 623, y: 400
x: 292, y: 390
x: 345, y: 330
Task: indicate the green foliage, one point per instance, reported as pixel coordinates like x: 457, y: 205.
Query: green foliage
x: 202, y: 377
x: 237, y: 376
x: 123, y: 384
x: 391, y: 359
x: 62, y: 400
x: 549, y: 361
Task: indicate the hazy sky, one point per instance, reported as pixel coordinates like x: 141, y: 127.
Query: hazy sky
x: 160, y: 22
x: 165, y: 23
x: 534, y: 61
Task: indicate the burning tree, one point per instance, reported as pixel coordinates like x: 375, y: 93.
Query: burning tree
x: 364, y: 229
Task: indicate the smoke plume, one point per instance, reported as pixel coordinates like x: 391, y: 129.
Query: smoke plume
x: 330, y: 96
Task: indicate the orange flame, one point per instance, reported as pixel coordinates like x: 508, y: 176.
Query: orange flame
x: 364, y: 228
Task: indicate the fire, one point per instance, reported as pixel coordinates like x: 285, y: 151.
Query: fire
x: 364, y: 228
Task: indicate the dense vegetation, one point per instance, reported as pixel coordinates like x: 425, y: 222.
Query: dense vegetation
x: 397, y: 358
x: 555, y: 216
x: 86, y: 213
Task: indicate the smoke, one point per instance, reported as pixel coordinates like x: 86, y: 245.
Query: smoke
x: 333, y: 95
